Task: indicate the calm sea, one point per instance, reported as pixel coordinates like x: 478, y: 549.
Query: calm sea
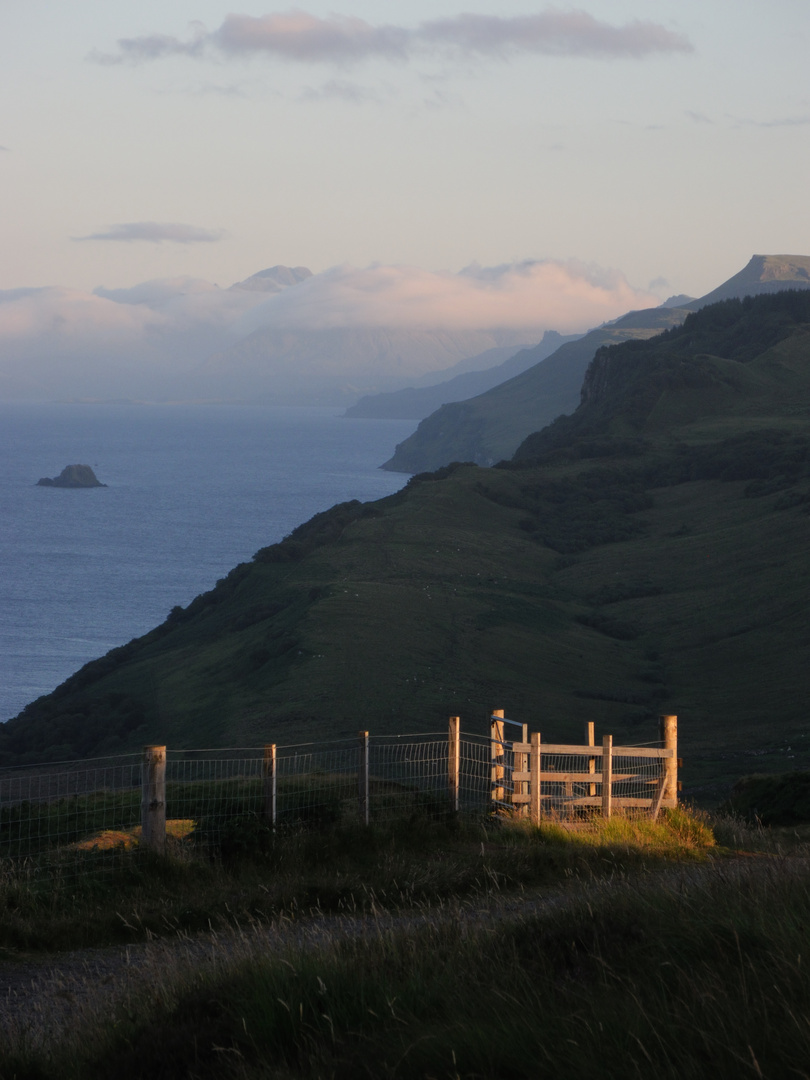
x: 192, y: 491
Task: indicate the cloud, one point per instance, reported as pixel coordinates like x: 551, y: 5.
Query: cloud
x: 5, y: 150
x: 150, y: 47
x: 786, y: 121
x: 698, y: 117
x: 341, y: 39
x: 343, y: 91
x: 158, y: 292
x: 156, y: 232
x: 299, y: 36
x: 552, y: 33
x: 228, y: 90
x: 149, y: 340
x: 568, y: 296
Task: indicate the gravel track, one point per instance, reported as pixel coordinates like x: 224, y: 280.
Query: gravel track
x: 45, y: 1000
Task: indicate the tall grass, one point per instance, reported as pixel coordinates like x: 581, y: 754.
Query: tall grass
x: 257, y: 875
x: 696, y: 972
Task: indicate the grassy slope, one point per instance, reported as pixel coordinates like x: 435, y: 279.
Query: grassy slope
x: 488, y: 428
x: 606, y: 588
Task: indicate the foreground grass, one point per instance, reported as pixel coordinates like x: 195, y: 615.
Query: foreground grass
x: 697, y: 971
x: 420, y: 861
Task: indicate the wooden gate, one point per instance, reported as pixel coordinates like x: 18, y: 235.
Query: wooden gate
x: 562, y: 780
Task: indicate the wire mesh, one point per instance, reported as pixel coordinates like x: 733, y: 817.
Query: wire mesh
x: 408, y: 777
x: 85, y: 816
x: 71, y: 816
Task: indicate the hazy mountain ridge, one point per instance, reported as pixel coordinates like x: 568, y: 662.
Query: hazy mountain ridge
x: 762, y: 274
x: 287, y: 336
x: 336, y: 365
x: 492, y: 426
x: 274, y: 279
x: 415, y: 403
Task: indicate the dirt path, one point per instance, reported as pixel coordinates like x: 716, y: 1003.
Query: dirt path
x: 43, y: 1000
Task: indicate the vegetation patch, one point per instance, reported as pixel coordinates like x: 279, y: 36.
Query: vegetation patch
x: 783, y: 799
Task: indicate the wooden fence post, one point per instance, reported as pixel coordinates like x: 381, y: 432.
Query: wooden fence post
x: 607, y: 776
x: 590, y: 735
x: 269, y: 783
x: 362, y: 778
x: 153, y: 798
x: 496, y: 754
x: 454, y: 761
x: 668, y: 729
x: 522, y: 765
x: 536, y: 804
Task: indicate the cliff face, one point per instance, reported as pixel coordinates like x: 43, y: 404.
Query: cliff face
x: 597, y: 378
x: 72, y: 476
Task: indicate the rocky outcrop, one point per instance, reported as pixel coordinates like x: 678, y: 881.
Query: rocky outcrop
x: 73, y: 476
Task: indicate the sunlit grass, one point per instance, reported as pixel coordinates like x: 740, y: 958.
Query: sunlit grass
x: 177, y: 829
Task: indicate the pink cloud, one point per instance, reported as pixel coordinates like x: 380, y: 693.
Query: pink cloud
x: 344, y: 39
x: 566, y: 296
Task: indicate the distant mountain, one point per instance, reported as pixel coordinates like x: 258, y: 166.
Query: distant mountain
x: 490, y: 427
x: 337, y: 365
x: 681, y: 300
x: 275, y: 279
x: 287, y: 336
x: 763, y: 274
x: 416, y: 402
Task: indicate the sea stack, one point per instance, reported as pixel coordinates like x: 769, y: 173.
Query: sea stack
x: 72, y: 476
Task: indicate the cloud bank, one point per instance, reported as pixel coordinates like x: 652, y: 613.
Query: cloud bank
x: 533, y: 295
x: 297, y: 36
x: 156, y: 232
x: 153, y: 339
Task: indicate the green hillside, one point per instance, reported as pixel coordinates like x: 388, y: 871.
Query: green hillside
x: 490, y: 427
x: 648, y: 554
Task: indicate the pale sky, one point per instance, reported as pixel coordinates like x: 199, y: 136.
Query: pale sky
x: 668, y: 140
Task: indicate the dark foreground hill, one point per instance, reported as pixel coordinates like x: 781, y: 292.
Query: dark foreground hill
x: 648, y: 554
x: 490, y: 426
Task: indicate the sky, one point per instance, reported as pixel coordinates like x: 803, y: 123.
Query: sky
x: 654, y: 144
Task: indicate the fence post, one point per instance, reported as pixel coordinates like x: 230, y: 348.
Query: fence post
x: 590, y: 735
x: 153, y: 798
x: 668, y: 729
x: 607, y: 776
x: 536, y: 804
x: 496, y: 753
x: 269, y: 783
x: 454, y: 760
x: 362, y: 778
x: 522, y: 765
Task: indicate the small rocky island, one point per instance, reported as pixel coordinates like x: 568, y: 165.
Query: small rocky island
x: 72, y: 476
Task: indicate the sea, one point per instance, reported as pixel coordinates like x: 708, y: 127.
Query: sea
x: 192, y: 490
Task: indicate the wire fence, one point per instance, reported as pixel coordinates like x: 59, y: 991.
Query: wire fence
x: 65, y: 819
